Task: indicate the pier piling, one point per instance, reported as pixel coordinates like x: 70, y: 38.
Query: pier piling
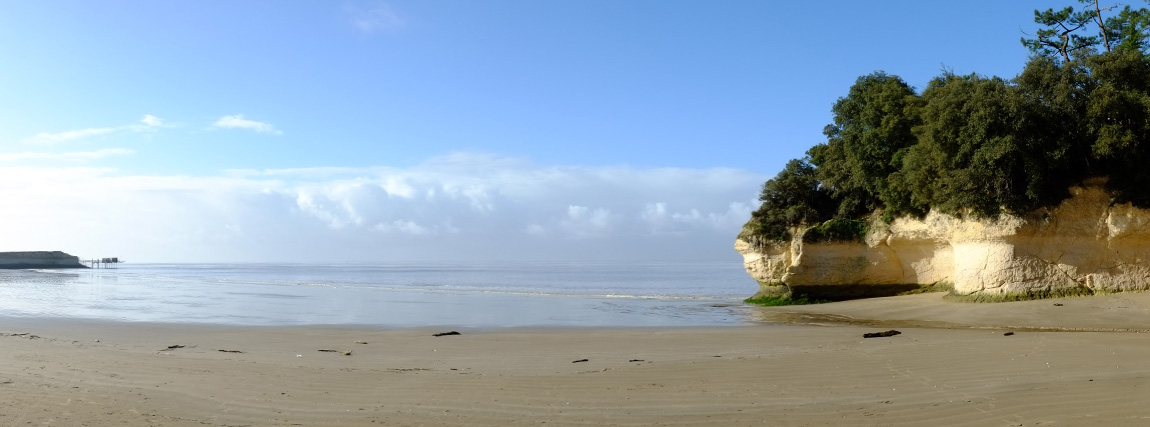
x: 103, y: 262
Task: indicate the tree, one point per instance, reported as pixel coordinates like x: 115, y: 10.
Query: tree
x: 1062, y: 34
x: 1118, y: 117
x: 1067, y: 32
x: 977, y: 153
x: 1096, y: 17
x: 792, y: 198
x: 1053, y: 103
x: 871, y: 131
x: 1130, y: 29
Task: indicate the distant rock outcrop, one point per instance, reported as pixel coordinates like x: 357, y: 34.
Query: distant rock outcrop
x: 1084, y: 245
x: 38, y: 259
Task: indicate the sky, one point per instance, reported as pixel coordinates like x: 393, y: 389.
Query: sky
x: 438, y: 131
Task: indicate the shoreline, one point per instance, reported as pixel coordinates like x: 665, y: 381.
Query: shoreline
x: 72, y: 372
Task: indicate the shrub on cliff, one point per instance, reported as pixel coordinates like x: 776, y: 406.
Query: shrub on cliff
x: 793, y: 197
x: 837, y: 230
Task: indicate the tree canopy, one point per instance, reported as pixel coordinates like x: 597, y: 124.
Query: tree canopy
x: 981, y: 146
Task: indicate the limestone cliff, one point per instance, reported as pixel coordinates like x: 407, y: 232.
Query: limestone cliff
x: 38, y: 259
x: 1084, y: 245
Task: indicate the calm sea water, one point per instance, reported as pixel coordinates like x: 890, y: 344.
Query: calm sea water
x: 487, y: 295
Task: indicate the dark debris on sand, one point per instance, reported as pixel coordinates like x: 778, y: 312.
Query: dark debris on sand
x: 889, y: 333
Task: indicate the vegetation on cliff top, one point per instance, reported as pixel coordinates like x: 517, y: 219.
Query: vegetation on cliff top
x: 977, y: 145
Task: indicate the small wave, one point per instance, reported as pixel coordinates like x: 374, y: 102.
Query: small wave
x: 265, y: 294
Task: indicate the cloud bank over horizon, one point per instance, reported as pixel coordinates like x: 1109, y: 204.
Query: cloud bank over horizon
x: 457, y: 207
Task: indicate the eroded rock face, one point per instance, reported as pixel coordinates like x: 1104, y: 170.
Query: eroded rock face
x: 1085, y: 244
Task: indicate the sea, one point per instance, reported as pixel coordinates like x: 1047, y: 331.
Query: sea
x: 398, y: 295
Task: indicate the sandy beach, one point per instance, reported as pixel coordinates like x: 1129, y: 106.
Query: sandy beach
x: 1083, y: 362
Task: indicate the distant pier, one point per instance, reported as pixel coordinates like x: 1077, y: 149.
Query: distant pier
x: 103, y: 262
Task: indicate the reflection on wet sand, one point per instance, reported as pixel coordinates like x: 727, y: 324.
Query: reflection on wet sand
x: 766, y: 315
x: 778, y: 315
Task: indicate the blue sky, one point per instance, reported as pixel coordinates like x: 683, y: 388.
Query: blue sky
x: 437, y: 131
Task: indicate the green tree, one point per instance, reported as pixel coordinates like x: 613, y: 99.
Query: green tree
x: 1054, y: 98
x: 1118, y: 117
x: 1130, y: 29
x: 792, y: 198
x: 975, y: 155
x: 871, y: 132
x: 1064, y: 33
x: 1095, y: 16
x: 1067, y: 33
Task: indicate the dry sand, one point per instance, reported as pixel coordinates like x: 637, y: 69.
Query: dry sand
x: 948, y: 367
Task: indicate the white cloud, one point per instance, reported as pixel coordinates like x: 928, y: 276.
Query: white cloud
x: 457, y: 207
x: 584, y: 222
x: 150, y: 120
x: 52, y: 138
x: 148, y: 123
x: 397, y: 187
x: 660, y: 219
x: 379, y: 17
x: 654, y: 212
x: 239, y: 122
x: 69, y: 156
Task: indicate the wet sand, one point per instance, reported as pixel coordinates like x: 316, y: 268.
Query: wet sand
x: 952, y: 365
